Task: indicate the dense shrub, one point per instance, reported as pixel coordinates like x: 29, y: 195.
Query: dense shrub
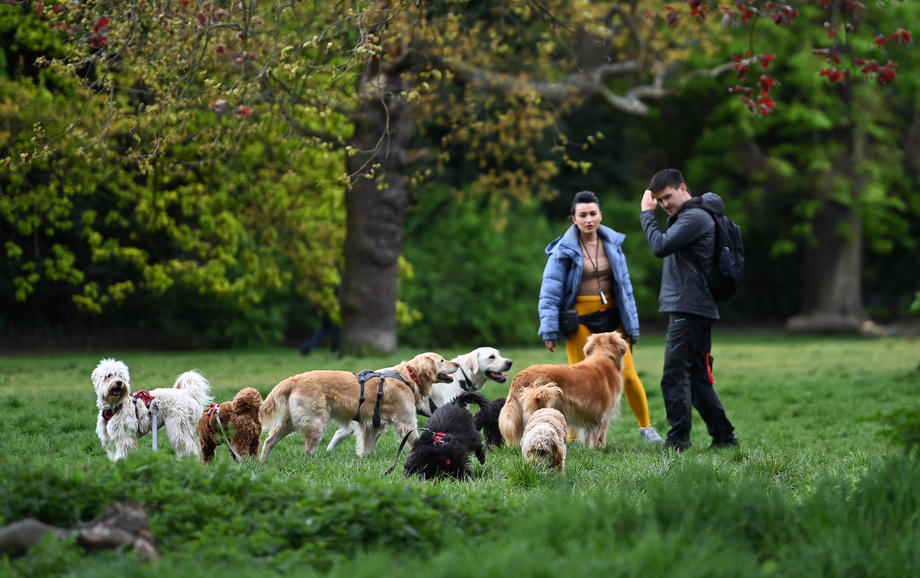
x: 477, y: 268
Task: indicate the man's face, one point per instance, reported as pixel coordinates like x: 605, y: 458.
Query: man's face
x: 671, y: 199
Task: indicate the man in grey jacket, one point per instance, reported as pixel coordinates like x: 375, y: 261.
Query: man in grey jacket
x: 687, y: 246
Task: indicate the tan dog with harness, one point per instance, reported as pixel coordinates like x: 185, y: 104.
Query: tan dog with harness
x: 306, y: 402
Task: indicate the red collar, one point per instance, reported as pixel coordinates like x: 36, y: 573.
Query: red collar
x: 412, y: 374
x: 214, y: 407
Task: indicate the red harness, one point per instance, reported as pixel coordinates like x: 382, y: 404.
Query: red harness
x: 143, y: 394
x: 214, y: 407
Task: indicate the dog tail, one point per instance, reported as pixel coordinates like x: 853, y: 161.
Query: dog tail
x: 197, y: 386
x: 511, y: 420
x: 468, y: 397
x: 274, y: 406
x: 247, y: 399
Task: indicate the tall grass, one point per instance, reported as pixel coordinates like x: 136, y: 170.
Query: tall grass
x: 819, y: 486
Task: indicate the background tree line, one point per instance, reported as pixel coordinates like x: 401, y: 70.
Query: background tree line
x: 211, y: 174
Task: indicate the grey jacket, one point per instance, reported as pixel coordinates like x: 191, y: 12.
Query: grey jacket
x: 687, y: 246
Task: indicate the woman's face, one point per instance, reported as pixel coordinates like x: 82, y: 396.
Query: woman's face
x: 587, y: 217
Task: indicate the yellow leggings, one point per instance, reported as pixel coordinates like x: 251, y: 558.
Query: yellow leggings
x: 632, y: 385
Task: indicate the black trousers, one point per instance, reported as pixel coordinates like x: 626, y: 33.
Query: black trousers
x: 686, y: 381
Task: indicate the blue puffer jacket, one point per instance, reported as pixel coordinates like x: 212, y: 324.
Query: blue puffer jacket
x: 562, y: 277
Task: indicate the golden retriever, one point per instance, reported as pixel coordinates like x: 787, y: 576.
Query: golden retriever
x: 591, y: 391
x: 306, y: 402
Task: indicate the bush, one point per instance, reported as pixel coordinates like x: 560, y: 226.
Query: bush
x: 477, y: 269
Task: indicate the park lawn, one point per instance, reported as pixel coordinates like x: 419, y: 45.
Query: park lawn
x: 819, y: 486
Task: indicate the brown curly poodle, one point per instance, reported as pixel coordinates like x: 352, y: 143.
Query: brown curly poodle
x: 239, y: 419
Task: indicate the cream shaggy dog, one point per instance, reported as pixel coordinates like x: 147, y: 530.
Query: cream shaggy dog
x: 591, y: 391
x: 545, y: 433
x: 125, y: 416
x: 544, y: 438
x: 306, y: 402
x: 476, y: 368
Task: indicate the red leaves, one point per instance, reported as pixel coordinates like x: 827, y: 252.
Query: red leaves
x: 98, y: 38
x: 828, y: 54
x: 835, y: 74
x: 763, y: 103
x: 670, y: 16
x: 901, y: 36
x: 220, y: 106
x: 697, y: 9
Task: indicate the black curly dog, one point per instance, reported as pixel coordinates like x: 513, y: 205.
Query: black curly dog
x: 486, y: 421
x: 445, y: 445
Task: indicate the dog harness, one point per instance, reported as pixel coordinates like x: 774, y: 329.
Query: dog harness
x: 145, y: 396
x: 367, y: 374
x: 363, y: 377
x: 215, y: 411
x: 466, y: 384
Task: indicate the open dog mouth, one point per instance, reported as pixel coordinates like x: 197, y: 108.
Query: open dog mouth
x: 496, y: 376
x: 444, y: 378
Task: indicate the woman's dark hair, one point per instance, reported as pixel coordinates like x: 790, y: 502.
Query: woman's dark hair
x: 582, y: 197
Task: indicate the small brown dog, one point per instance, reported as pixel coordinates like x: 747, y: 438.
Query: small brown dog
x: 237, y: 420
x: 591, y: 390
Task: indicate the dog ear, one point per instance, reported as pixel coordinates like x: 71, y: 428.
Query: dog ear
x: 590, y: 344
x: 474, y: 361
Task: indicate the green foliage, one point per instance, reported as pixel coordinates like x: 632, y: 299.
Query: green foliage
x: 476, y: 271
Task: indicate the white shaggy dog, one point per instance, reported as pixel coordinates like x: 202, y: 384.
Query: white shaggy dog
x: 124, y: 417
x: 476, y: 368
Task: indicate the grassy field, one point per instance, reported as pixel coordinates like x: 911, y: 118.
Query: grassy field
x: 819, y: 486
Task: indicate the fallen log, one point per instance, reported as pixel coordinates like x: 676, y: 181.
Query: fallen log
x: 121, y: 524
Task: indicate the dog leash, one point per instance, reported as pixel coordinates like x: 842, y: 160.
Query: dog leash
x: 216, y: 409
x: 154, y: 412
x: 401, y: 444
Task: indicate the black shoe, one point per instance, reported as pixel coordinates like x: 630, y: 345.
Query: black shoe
x: 729, y: 443
x: 672, y: 445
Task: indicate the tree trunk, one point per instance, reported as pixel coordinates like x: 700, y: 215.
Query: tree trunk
x: 375, y: 205
x: 832, y: 293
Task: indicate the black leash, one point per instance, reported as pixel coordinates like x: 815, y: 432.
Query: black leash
x: 401, y: 445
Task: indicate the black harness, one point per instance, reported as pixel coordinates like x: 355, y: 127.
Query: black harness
x: 466, y: 384
x: 366, y: 375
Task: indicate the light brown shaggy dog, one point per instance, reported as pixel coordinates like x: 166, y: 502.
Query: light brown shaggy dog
x: 544, y: 438
x: 591, y: 390
x: 239, y: 419
x: 306, y: 402
x: 545, y: 433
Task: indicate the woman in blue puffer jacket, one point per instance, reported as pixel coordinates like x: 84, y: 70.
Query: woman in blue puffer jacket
x: 587, y: 271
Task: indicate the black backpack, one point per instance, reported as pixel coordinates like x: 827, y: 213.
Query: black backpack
x: 728, y: 258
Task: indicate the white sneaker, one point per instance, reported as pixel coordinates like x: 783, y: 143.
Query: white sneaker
x: 650, y: 435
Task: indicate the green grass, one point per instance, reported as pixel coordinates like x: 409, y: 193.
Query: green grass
x: 819, y: 486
